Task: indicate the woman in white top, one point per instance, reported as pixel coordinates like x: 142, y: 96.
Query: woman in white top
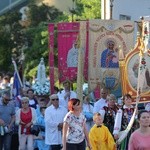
x: 74, y: 128
x: 25, y: 118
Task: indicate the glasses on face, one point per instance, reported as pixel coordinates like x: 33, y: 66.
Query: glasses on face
x: 55, y: 99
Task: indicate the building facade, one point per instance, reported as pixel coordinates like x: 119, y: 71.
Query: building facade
x: 125, y: 9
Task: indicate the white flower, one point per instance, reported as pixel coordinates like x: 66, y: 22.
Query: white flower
x: 40, y: 89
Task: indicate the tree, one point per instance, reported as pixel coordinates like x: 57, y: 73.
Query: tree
x: 32, y: 40
x: 87, y: 9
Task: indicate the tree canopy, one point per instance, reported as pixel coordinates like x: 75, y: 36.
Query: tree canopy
x: 28, y: 42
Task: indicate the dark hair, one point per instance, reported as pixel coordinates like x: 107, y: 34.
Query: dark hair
x: 6, y: 93
x: 6, y: 78
x: 42, y: 100
x: 30, y: 90
x: 126, y: 95
x: 141, y: 112
x: 41, y: 108
x: 73, y: 102
x: 56, y: 88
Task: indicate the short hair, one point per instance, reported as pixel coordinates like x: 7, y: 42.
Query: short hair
x: 30, y: 90
x: 24, y: 99
x: 126, y: 95
x: 141, y: 112
x: 42, y: 100
x: 6, y: 93
x: 56, y: 88
x: 6, y: 78
x: 53, y: 96
x: 111, y: 96
x: 95, y: 116
x: 72, y: 102
x: 41, y: 108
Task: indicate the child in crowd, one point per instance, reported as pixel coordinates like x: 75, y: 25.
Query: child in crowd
x: 99, y: 135
x: 40, y: 139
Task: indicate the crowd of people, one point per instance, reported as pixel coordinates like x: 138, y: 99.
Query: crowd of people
x: 67, y: 124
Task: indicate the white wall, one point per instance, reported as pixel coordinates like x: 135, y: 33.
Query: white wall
x: 133, y: 8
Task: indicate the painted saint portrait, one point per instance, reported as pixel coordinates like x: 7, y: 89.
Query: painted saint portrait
x: 72, y: 56
x: 109, y: 56
x: 132, y: 72
x: 109, y: 67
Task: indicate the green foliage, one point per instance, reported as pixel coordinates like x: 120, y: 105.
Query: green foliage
x: 13, y: 37
x: 33, y: 39
x: 8, y: 24
x: 87, y: 9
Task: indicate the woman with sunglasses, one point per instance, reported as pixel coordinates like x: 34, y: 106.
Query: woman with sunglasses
x: 74, y: 128
x: 25, y: 118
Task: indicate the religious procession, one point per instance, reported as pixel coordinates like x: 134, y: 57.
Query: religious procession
x: 101, y: 100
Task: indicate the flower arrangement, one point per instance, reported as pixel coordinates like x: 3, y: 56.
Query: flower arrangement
x: 41, y: 89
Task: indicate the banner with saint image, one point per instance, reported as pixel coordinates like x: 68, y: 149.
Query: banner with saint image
x: 106, y: 37
x: 68, y: 46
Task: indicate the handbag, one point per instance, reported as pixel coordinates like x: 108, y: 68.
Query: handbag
x: 35, y: 130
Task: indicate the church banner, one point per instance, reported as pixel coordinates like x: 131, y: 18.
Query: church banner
x: 68, y: 41
x: 106, y: 37
x: 51, y: 56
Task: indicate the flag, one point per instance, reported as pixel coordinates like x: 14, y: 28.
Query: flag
x: 16, y: 85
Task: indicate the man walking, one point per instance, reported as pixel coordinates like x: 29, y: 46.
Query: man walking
x: 7, y: 118
x: 54, y: 116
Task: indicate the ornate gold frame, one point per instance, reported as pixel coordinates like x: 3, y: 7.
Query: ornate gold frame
x: 123, y: 65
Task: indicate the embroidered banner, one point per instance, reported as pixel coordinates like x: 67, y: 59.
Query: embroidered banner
x: 143, y: 80
x: 51, y: 56
x: 146, y: 34
x: 105, y: 38
x: 68, y: 39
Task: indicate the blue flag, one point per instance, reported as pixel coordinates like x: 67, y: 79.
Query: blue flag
x: 16, y: 86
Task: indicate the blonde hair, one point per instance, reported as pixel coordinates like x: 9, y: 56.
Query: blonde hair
x: 111, y: 97
x: 96, y: 115
x: 24, y: 99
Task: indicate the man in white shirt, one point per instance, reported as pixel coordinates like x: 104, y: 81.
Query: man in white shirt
x: 98, y: 106
x: 54, y: 116
x: 66, y: 94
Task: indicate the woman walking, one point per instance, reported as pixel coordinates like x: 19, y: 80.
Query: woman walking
x: 140, y: 139
x: 74, y: 129
x: 25, y: 117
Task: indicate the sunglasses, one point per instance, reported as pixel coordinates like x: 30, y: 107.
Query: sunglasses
x: 55, y: 99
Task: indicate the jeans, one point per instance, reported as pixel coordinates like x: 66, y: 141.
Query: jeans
x: 5, y: 141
